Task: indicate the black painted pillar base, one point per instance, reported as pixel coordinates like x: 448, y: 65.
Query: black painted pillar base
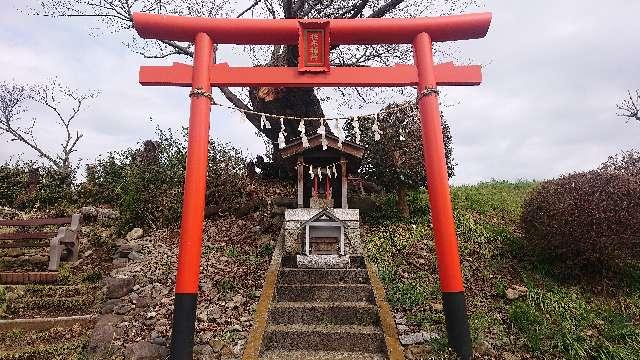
x: 184, y: 325
x: 455, y: 314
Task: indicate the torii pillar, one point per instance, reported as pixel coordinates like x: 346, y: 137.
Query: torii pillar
x: 444, y: 227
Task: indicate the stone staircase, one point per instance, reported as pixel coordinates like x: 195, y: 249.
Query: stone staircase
x: 323, y: 314
x: 46, y: 321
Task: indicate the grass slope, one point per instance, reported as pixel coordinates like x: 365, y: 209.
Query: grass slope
x: 594, y: 318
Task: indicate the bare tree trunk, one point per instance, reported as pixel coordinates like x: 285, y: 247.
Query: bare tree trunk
x: 402, y: 204
x: 298, y: 102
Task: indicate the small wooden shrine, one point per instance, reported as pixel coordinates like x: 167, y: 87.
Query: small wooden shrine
x: 322, y: 170
x: 324, y: 234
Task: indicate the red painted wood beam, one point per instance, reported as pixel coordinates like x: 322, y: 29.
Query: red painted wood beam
x: 285, y: 31
x: 179, y: 74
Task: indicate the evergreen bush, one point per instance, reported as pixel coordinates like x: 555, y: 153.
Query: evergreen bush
x: 146, y: 184
x: 25, y: 185
x: 588, y: 218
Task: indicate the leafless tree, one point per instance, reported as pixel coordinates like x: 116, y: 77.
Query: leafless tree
x: 116, y: 15
x: 630, y: 106
x: 60, y: 101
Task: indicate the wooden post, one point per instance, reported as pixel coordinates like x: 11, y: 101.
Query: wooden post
x: 314, y: 193
x: 343, y: 164
x: 300, y: 182
x: 306, y: 239
x: 342, y: 240
x: 327, y: 188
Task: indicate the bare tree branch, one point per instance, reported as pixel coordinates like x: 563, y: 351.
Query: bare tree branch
x: 254, y: 4
x: 299, y: 5
x: 355, y: 10
x: 16, y: 99
x: 181, y: 49
x: 630, y: 107
x: 385, y: 9
x: 287, y: 7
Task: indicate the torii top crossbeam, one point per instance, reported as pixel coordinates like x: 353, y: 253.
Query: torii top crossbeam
x: 314, y: 38
x: 285, y: 31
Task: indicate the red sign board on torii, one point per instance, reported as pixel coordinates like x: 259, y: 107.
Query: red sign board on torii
x: 314, y: 39
x: 313, y: 46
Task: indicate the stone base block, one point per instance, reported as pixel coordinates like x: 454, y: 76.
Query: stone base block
x: 322, y: 261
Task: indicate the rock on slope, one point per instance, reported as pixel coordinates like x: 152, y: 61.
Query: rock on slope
x: 136, y: 320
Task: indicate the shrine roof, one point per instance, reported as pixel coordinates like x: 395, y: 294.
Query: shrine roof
x: 348, y: 148
x: 324, y: 214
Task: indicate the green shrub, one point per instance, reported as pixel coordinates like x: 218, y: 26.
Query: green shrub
x: 13, y: 181
x: 146, y: 184
x: 588, y: 218
x: 265, y: 250
x: 26, y: 185
x: 378, y: 209
x: 65, y: 275
x: 408, y: 294
x: 143, y: 184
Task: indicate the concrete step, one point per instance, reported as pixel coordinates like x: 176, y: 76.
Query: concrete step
x: 343, y: 313
x: 325, y: 293
x: 367, y: 339
x: 320, y: 355
x: 323, y: 276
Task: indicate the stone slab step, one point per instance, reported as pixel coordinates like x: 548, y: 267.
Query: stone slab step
x: 344, y: 313
x: 320, y: 355
x: 322, y: 261
x: 46, y: 323
x: 325, y: 293
x: 51, y: 291
x: 323, y: 276
x: 367, y: 339
x: 49, y: 344
x: 75, y: 303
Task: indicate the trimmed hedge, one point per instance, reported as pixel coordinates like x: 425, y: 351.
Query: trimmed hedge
x: 588, y: 218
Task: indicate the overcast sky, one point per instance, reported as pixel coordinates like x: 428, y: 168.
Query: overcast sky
x: 554, y: 73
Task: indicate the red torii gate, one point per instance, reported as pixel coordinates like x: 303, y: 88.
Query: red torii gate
x: 313, y: 71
